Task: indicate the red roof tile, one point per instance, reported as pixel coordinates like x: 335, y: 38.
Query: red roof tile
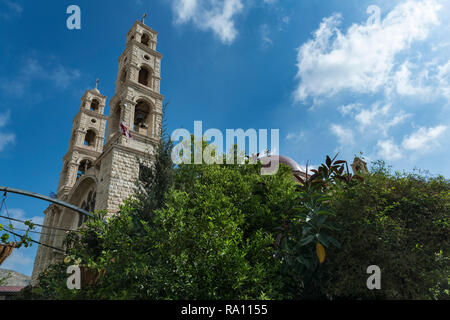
x: 10, y: 289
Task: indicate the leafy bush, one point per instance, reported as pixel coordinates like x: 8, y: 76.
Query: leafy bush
x: 226, y: 232
x: 399, y: 222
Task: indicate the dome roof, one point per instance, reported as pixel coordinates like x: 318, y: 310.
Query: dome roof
x: 268, y: 169
x: 266, y: 160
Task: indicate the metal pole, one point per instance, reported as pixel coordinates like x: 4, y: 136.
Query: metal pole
x: 42, y: 197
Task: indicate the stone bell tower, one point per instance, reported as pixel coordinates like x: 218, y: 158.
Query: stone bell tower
x: 136, y: 105
x: 98, y: 174
x: 86, y: 142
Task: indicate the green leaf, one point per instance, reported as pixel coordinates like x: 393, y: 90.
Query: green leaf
x: 322, y: 239
x: 306, y: 240
x: 303, y: 261
x: 5, y: 237
x: 334, y: 242
x: 321, y: 219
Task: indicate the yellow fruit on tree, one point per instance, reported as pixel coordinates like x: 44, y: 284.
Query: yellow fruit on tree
x: 320, y: 252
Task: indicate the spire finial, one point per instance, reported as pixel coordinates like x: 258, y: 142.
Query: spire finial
x: 96, y: 83
x: 143, y: 18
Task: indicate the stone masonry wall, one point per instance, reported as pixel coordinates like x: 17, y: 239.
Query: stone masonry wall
x: 121, y: 181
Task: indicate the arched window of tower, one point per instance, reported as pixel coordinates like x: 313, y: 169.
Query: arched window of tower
x: 145, y: 39
x: 84, y: 166
x: 89, y: 139
x: 142, y: 119
x: 145, y: 76
x: 94, y: 105
x: 88, y: 205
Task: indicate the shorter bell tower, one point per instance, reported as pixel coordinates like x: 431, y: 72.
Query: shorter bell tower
x: 86, y: 142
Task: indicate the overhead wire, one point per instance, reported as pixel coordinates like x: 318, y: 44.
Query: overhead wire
x: 8, y: 217
x: 38, y: 242
x: 37, y: 232
x: 39, y: 225
x: 3, y: 204
x: 6, y: 210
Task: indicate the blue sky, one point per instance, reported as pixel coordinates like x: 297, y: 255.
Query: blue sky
x: 324, y: 73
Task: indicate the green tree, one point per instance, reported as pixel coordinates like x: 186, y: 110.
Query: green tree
x: 399, y: 222
x: 226, y: 232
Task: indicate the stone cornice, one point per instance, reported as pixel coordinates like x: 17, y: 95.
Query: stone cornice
x: 141, y: 46
x: 82, y: 150
x: 146, y: 90
x: 147, y: 48
x: 92, y: 114
x: 137, y: 22
x: 143, y: 138
x: 114, y: 145
x: 89, y: 152
x: 95, y: 93
x: 136, y: 86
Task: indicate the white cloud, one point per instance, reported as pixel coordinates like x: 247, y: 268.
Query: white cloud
x: 362, y: 59
x: 286, y: 19
x: 5, y: 138
x: 20, y: 258
x: 409, y: 87
x: 11, y: 8
x: 310, y: 167
x: 59, y: 75
x: 266, y: 41
x: 13, y: 87
x: 344, y: 135
x: 366, y: 117
x: 296, y: 137
x: 217, y: 16
x: 14, y: 6
x: 380, y: 118
x: 20, y: 214
x: 348, y: 108
x: 419, y: 142
x: 389, y: 150
x: 443, y: 77
x: 4, y: 119
x: 32, y: 69
x: 424, y: 139
x: 16, y: 260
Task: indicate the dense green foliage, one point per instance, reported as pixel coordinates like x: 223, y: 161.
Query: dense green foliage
x: 399, y: 222
x: 226, y: 232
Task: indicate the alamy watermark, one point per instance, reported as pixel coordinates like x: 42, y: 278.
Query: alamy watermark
x: 74, y: 278
x: 374, y: 281
x: 74, y: 20
x: 192, y: 151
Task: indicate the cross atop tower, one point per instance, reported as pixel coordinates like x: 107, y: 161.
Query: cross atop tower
x: 96, y: 83
x: 143, y: 18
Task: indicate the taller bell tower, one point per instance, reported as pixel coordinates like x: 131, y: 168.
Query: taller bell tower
x: 137, y: 105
